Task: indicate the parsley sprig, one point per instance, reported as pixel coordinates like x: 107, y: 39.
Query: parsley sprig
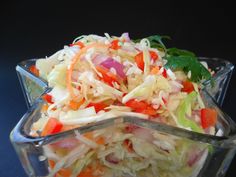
x: 179, y: 59
x: 187, y: 64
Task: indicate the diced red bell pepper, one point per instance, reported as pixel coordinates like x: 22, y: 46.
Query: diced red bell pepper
x: 78, y: 43
x: 139, y: 59
x: 149, y: 111
x: 52, y: 126
x: 208, y: 117
x: 153, y: 55
x: 115, y: 44
x: 34, y: 70
x: 187, y: 87
x: 107, y: 76
x: 141, y: 107
x: 164, y: 73
x: 128, y: 145
x: 98, y: 106
x: 48, y: 98
x: 136, y: 104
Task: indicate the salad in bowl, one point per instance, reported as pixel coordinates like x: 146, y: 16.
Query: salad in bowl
x: 96, y: 78
x: 103, y: 78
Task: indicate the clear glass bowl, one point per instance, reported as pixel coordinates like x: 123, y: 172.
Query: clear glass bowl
x: 33, y: 87
x: 174, y: 151
x: 223, y: 72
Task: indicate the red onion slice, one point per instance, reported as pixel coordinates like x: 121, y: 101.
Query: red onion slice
x: 111, y: 63
x: 68, y: 143
x: 112, y: 158
x: 97, y: 60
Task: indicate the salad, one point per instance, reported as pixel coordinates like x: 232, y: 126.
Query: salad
x: 97, y: 78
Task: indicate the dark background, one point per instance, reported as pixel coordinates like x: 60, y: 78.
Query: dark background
x: 36, y: 29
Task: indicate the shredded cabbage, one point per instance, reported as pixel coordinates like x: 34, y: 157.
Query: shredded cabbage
x: 143, y: 91
x: 83, y: 91
x: 147, y: 61
x: 57, y: 76
x: 69, y: 159
x: 85, y: 140
x: 185, y: 109
x: 81, y: 163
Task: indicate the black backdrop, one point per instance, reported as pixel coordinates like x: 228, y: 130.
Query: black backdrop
x: 37, y: 28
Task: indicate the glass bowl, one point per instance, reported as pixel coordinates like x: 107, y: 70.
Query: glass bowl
x: 33, y: 87
x: 162, y: 150
x: 223, y: 71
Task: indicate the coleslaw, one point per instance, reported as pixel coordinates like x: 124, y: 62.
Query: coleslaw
x: 97, y: 78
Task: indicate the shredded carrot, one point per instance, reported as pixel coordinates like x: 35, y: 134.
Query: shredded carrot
x: 88, y: 135
x: 51, y: 164
x: 73, y: 63
x: 89, y: 171
x: 76, y: 105
x: 155, y: 70
x: 65, y: 172
x: 44, y: 108
x: 100, y: 141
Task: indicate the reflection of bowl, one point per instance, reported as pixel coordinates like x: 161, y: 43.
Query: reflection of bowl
x: 33, y: 86
x: 174, y: 151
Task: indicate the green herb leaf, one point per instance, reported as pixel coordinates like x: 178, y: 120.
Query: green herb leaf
x: 156, y: 41
x: 188, y: 63
x: 179, y: 59
x: 178, y: 52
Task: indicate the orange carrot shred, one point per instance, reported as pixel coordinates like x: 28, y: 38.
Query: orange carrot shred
x: 155, y: 70
x: 76, y: 105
